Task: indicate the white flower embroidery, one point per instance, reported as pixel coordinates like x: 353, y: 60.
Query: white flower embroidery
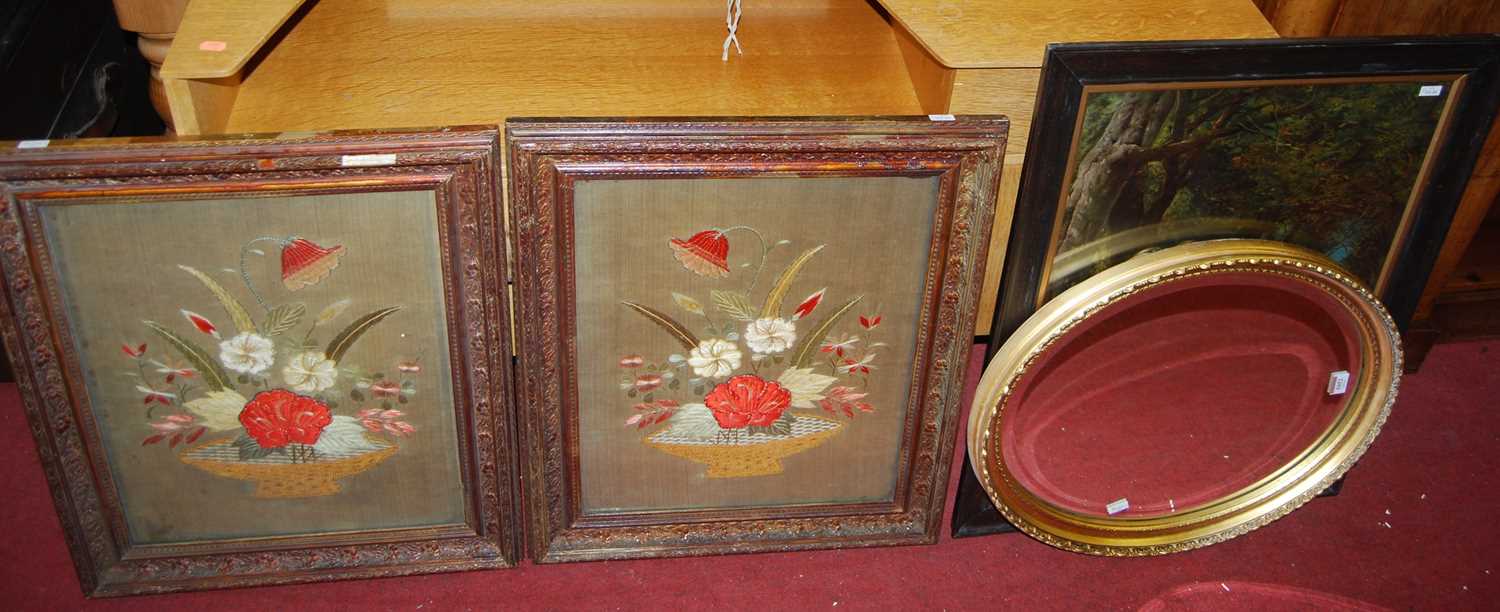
x: 770, y: 336
x: 715, y: 358
x: 247, y: 353
x: 310, y: 372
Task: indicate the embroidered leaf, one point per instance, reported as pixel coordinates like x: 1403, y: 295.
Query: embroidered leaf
x: 805, y: 385
x: 196, y: 434
x: 284, y: 317
x: 153, y: 439
x: 810, y: 343
x: 214, y: 377
x: 772, y: 308
x: 341, y: 343
x: 682, y: 334
x: 250, y: 449
x: 734, y: 304
x: 807, y: 305
x: 220, y: 410
x: 688, y: 303
x: 344, y: 436
x: 780, y: 427
x: 231, y: 306
x: 332, y: 311
x: 693, y: 421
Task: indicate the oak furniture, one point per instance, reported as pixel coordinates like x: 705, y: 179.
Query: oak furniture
x: 253, y: 66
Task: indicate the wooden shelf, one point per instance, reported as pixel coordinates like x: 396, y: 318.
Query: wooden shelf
x: 406, y: 63
x: 992, y: 34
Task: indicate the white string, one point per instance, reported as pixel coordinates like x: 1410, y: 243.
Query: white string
x: 732, y: 21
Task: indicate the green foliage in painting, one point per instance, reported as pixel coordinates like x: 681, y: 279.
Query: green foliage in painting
x: 1329, y: 166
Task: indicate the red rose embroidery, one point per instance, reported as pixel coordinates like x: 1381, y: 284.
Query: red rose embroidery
x: 279, y: 417
x: 747, y: 400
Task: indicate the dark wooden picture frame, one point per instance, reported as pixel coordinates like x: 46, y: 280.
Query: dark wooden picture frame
x: 1070, y: 69
x: 458, y: 166
x: 549, y: 159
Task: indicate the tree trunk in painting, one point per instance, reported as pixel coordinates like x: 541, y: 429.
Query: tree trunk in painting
x: 1110, y: 191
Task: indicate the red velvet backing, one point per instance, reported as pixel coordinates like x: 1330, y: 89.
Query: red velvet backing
x: 1180, y: 395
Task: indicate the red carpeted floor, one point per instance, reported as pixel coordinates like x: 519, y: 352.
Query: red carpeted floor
x: 1417, y: 527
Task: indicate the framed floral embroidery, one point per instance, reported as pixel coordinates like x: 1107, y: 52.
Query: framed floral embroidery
x: 251, y: 360
x: 742, y: 336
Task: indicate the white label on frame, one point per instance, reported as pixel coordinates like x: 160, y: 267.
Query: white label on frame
x: 33, y: 144
x: 1338, y: 382
x: 1117, y: 506
x: 375, y: 159
x: 1428, y: 91
x: 940, y: 118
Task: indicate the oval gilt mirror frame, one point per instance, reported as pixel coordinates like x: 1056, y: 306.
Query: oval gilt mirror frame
x: 1183, y: 397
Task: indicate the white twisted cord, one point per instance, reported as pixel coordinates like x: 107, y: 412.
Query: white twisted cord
x: 732, y: 21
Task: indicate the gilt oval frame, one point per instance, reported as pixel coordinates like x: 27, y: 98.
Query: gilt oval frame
x: 1255, y: 505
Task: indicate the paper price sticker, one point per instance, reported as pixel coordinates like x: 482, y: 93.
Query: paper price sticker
x: 1117, y: 506
x: 1427, y: 91
x: 1338, y: 382
x: 941, y: 118
x: 33, y: 144
x: 374, y: 159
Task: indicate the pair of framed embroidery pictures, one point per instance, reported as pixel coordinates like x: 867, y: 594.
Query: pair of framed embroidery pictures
x: 254, y: 360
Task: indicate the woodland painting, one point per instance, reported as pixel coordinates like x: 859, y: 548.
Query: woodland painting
x: 264, y: 366
x: 1331, y: 166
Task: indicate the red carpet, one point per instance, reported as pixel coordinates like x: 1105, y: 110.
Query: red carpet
x: 1415, y: 527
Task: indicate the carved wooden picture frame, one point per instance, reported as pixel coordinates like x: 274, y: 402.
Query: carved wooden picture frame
x: 680, y: 395
x: 206, y: 424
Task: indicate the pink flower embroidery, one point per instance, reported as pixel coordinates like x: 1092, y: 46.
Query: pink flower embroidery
x: 133, y: 351
x: 860, y: 366
x: 838, y: 346
x: 376, y: 420
x: 385, y: 388
x: 175, y: 426
x: 846, y: 400
x: 706, y: 253
x: 646, y: 383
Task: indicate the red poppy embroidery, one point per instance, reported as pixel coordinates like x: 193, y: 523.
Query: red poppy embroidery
x: 747, y: 400
x: 303, y: 263
x: 279, y: 417
x: 706, y: 253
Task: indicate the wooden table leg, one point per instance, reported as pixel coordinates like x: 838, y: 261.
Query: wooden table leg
x: 155, y: 22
